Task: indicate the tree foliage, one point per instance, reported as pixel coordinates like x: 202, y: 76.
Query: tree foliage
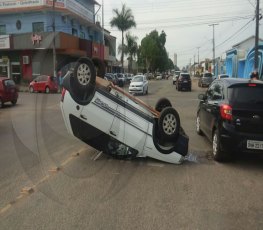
x: 152, y: 52
x: 123, y: 20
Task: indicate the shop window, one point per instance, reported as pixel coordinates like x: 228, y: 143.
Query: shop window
x: 38, y: 27
x: 74, y: 32
x: 2, y: 29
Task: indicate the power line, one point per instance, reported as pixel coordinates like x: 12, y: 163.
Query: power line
x: 238, y: 31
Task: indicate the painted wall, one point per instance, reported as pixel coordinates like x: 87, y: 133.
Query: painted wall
x: 249, y: 65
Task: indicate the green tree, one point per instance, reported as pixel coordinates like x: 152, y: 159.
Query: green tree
x: 130, y: 49
x: 153, y: 53
x: 123, y: 20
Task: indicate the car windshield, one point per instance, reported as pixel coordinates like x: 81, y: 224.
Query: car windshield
x: 137, y: 79
x: 207, y: 75
x: 9, y: 83
x: 185, y: 76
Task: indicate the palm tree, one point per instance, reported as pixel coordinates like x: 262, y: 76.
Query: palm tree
x: 130, y: 49
x: 123, y: 20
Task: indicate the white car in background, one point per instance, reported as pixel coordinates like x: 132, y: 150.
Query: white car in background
x: 113, y: 121
x: 139, y: 85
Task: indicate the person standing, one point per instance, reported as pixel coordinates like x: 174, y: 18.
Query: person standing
x: 254, y: 75
x: 60, y: 80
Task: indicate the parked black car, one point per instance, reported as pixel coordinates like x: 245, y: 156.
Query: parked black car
x: 184, y: 82
x: 205, y: 80
x: 230, y: 115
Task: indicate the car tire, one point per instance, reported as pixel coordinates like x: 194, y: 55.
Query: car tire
x: 162, y: 103
x: 31, y: 90
x: 198, y: 129
x: 169, y: 124
x: 99, y: 67
x: 84, y: 77
x: 47, y: 90
x: 14, y: 102
x: 217, y: 152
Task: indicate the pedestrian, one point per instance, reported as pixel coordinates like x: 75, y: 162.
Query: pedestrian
x: 60, y: 80
x: 254, y: 75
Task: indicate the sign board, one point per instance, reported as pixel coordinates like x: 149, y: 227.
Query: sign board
x: 4, y: 42
x: 9, y: 4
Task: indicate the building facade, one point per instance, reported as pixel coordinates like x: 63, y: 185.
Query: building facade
x: 34, y: 33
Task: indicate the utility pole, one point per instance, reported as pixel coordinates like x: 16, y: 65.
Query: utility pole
x: 256, y: 37
x: 194, y: 65
x: 54, y: 39
x: 213, y: 45
x: 198, y: 54
x: 103, y: 23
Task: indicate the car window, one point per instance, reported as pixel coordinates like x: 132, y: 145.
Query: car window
x: 137, y: 79
x: 9, y: 83
x: 215, y: 91
x: 207, y: 75
x: 246, y: 94
x: 185, y: 76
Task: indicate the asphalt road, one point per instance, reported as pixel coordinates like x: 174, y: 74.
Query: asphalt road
x: 66, y: 188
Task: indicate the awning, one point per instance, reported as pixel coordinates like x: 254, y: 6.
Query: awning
x: 72, y: 52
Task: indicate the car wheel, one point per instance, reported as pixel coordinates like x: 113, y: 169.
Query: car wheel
x: 218, y: 154
x: 198, y: 129
x: 169, y: 124
x: 99, y: 67
x: 84, y: 77
x: 162, y: 103
x: 14, y: 102
x: 31, y: 90
x: 47, y: 90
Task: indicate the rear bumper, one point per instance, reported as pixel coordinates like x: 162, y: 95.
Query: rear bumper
x: 236, y: 141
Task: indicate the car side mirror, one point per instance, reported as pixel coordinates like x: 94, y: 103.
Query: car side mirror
x: 202, y: 97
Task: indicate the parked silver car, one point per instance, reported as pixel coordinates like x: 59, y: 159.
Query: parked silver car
x: 139, y: 85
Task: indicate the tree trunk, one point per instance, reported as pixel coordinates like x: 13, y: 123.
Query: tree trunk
x: 122, y: 41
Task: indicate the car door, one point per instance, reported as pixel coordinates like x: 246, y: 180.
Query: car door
x: 214, y: 97
x: 100, y: 112
x: 130, y: 125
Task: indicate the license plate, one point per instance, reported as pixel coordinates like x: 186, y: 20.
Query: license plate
x: 254, y: 144
x: 185, y: 81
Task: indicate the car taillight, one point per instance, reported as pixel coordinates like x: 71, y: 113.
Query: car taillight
x: 63, y: 94
x: 252, y: 85
x: 226, y: 112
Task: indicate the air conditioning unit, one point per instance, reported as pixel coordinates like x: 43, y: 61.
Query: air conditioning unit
x: 25, y: 60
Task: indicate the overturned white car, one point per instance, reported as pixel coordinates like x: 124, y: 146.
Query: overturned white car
x: 111, y: 120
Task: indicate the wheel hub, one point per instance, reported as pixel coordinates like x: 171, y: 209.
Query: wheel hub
x: 83, y: 74
x: 169, y: 124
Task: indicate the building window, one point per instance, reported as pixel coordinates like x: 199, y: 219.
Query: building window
x: 2, y: 29
x: 18, y: 24
x: 74, y: 32
x: 38, y: 27
x: 82, y: 35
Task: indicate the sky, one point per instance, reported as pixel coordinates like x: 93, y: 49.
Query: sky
x: 186, y: 24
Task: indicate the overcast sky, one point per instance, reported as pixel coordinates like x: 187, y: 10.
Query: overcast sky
x: 186, y: 24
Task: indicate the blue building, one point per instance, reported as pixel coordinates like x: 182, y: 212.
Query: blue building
x: 240, y: 59
x: 30, y: 29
